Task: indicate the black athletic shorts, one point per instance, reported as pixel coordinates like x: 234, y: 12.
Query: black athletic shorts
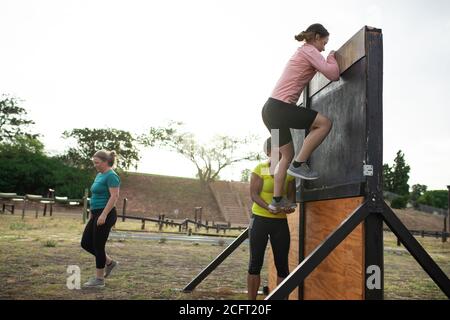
x: 284, y: 116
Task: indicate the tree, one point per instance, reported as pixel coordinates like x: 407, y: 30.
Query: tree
x: 417, y: 191
x: 25, y: 169
x: 387, y: 178
x: 245, y: 175
x: 90, y: 141
x: 435, y: 198
x: 210, y: 158
x: 13, y: 121
x: 399, y: 202
x: 400, y: 175
x: 26, y: 143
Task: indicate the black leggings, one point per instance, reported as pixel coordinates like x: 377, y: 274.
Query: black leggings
x: 280, y: 115
x: 260, y: 229
x: 95, y: 237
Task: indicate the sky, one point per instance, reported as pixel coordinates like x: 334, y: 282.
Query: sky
x: 212, y: 64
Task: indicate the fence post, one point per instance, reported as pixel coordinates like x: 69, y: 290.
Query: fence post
x: 37, y: 210
x: 444, y: 231
x: 124, y: 209
x: 448, y: 210
x: 85, y: 201
x: 198, y: 217
x: 24, y: 207
x: 143, y: 225
x: 52, y: 196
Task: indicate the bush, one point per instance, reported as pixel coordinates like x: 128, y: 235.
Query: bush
x: 50, y: 243
x: 434, y: 198
x: 29, y: 171
x: 399, y: 202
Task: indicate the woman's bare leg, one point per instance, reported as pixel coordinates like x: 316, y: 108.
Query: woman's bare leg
x: 253, y: 282
x: 100, y: 273
x: 318, y: 132
x: 108, y: 259
x: 287, y: 154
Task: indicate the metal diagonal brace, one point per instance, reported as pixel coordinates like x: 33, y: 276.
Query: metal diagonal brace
x: 216, y: 262
x: 298, y: 275
x: 416, y: 250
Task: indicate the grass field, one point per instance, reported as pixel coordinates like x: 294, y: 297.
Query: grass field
x: 35, y: 254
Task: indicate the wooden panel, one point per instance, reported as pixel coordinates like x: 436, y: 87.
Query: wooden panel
x: 340, y: 276
x: 293, y: 221
x: 352, y: 51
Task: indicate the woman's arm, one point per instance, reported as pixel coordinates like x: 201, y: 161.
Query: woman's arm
x: 114, y: 192
x: 256, y: 184
x: 329, y: 68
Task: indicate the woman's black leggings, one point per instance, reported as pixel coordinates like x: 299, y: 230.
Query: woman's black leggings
x: 95, y: 237
x: 260, y: 230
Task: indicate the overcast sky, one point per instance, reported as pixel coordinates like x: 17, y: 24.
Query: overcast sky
x: 212, y: 64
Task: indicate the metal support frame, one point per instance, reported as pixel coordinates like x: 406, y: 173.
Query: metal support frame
x: 301, y: 243
x: 217, y: 261
x: 373, y: 224
x: 298, y: 275
x: 362, y: 213
x: 416, y: 250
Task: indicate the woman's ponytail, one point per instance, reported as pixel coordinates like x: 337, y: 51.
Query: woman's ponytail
x: 300, y: 36
x: 310, y: 33
x: 112, y: 158
x: 305, y: 36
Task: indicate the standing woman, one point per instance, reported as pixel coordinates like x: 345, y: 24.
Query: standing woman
x: 265, y: 225
x: 281, y: 112
x: 103, y: 216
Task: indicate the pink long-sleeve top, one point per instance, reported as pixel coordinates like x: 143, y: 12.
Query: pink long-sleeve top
x: 300, y: 69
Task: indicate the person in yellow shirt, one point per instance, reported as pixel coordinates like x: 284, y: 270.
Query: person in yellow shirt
x: 266, y: 224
